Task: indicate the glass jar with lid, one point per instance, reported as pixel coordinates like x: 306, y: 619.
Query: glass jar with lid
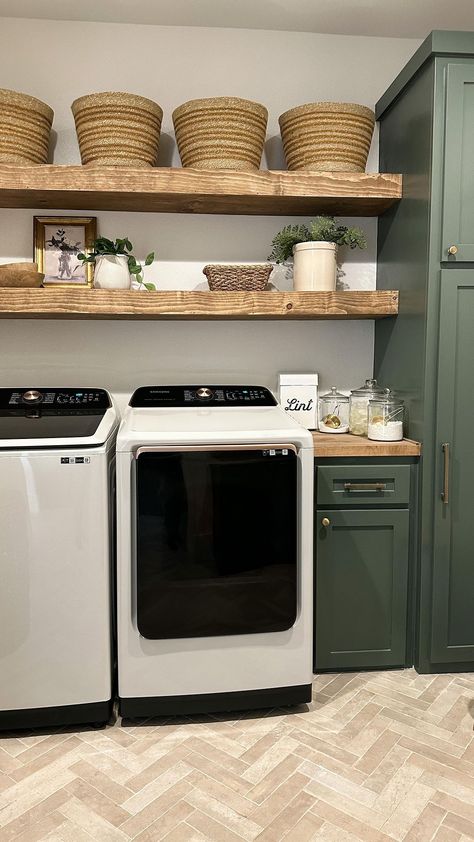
x: 359, y: 405
x: 333, y: 412
x: 385, y: 419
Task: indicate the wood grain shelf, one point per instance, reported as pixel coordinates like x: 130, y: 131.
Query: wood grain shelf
x: 53, y: 303
x: 343, y: 444
x: 180, y: 190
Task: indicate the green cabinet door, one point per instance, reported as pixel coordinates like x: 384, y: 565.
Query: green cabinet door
x: 361, y: 588
x: 458, y: 189
x: 452, y: 637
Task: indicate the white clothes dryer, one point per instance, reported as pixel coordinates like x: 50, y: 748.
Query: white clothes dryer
x: 57, y: 460
x: 214, y: 552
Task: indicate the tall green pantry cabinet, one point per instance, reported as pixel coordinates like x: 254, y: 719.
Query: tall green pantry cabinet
x: 426, y: 249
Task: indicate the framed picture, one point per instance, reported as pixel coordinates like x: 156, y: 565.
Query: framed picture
x: 57, y: 242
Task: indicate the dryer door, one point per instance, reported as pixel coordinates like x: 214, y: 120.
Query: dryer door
x: 216, y: 547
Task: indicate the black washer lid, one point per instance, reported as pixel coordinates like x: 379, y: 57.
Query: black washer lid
x: 45, y: 413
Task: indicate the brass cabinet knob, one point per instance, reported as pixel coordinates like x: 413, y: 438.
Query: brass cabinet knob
x: 325, y: 521
x: 453, y: 250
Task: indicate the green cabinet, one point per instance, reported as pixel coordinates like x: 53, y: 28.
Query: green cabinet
x: 364, y: 536
x: 458, y: 187
x: 453, y: 560
x: 361, y: 588
x: 427, y: 133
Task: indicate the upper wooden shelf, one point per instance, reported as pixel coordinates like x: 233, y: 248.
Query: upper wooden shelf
x: 180, y: 190
x: 55, y: 303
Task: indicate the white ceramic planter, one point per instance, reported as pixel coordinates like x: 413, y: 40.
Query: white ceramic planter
x: 315, y: 266
x: 111, y: 272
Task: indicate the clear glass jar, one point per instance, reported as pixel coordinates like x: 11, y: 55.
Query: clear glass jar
x: 385, y: 418
x: 359, y: 404
x: 333, y: 412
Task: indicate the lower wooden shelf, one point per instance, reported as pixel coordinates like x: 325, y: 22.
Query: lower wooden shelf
x: 344, y: 444
x: 51, y: 303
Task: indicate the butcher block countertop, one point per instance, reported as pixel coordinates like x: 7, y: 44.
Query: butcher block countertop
x: 344, y: 444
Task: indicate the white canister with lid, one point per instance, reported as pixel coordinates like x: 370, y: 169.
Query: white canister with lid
x: 299, y: 398
x: 359, y: 405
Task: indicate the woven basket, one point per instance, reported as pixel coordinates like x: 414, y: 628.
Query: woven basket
x: 25, y: 126
x: 220, y: 133
x: 117, y: 129
x: 245, y: 276
x: 331, y: 136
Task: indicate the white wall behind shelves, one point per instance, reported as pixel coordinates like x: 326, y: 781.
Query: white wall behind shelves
x: 58, y: 61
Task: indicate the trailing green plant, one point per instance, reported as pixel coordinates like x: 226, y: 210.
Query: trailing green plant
x: 121, y: 246
x: 321, y: 229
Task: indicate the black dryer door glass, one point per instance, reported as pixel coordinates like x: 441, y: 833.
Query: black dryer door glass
x: 216, y: 542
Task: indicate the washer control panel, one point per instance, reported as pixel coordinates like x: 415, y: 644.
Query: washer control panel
x: 57, y: 399
x: 185, y: 396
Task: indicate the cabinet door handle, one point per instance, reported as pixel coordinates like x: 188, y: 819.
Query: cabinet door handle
x: 365, y: 486
x: 445, y: 491
x: 325, y: 522
x: 453, y: 250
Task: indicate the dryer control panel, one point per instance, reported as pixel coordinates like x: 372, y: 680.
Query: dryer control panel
x: 57, y: 399
x: 215, y: 396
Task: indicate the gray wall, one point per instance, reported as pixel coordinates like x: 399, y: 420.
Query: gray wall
x: 58, y: 61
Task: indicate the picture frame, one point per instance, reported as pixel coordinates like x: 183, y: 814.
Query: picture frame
x: 57, y: 241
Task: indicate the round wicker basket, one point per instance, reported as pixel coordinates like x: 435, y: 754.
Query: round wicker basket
x: 236, y: 276
x: 220, y: 133
x: 331, y: 136
x: 117, y: 129
x: 25, y: 126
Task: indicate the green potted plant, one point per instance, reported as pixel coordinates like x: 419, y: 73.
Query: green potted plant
x: 115, y: 265
x: 314, y: 250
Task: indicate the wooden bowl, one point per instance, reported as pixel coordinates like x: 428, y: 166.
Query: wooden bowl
x: 21, y: 275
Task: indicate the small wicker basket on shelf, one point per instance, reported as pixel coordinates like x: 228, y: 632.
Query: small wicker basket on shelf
x: 245, y: 276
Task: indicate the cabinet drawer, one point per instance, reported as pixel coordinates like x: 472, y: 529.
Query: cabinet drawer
x: 362, y: 484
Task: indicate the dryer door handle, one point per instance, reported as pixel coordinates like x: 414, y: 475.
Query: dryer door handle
x: 178, y: 448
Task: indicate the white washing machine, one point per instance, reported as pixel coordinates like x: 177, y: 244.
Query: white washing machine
x: 214, y: 552
x: 56, y: 474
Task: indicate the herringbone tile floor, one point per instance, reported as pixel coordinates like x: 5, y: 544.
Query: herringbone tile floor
x: 377, y: 757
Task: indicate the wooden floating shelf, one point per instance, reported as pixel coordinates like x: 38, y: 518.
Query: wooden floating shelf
x: 180, y: 190
x: 343, y: 444
x: 53, y: 303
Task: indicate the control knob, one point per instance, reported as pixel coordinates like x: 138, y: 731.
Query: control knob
x: 204, y: 394
x: 32, y: 396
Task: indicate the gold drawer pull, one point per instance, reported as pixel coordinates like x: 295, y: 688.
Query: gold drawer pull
x: 453, y: 250
x: 365, y: 486
x: 326, y: 522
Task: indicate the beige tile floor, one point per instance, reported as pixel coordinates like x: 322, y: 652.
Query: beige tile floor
x: 376, y: 757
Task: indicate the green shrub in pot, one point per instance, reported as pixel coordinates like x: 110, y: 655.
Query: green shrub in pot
x: 313, y: 246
